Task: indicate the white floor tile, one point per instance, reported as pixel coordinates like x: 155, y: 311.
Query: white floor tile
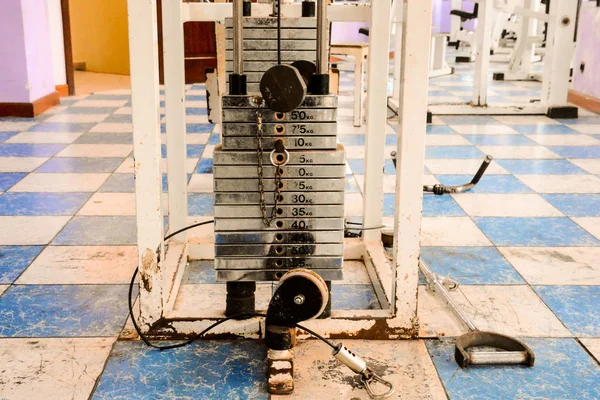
x: 197, y: 138
x: 562, y: 183
x: 355, y: 152
x: 196, y: 119
x: 124, y: 111
x: 443, y: 100
x: 61, y: 182
x: 556, y: 265
x: 446, y: 140
x: 21, y: 164
x: 81, y: 265
x: 525, y: 120
x: 126, y: 167
x: 209, y: 149
x: 15, y: 126
x: 112, y: 127
x: 589, y: 129
x: 22, y: 231
x: 461, y: 167
x: 484, y: 129
x: 355, y: 273
x: 3, y: 288
x: 590, y: 165
x: 109, y: 204
x: 407, y: 365
x: 201, y: 183
x: 593, y: 346
x: 75, y: 118
x: 565, y: 140
x: 389, y: 183
x: 354, y: 205
x: 96, y: 150
x: 436, y: 319
x: 506, y: 205
x: 100, y: 103
x: 44, y: 137
x: 52, y: 368
x: 510, y: 310
x: 590, y: 224
x: 451, y: 231
x: 208, y: 299
x: 519, y: 152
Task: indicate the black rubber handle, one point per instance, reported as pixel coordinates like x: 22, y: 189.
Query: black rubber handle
x: 484, y: 165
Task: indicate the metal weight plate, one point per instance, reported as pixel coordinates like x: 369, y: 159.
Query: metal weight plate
x: 307, y: 172
x: 250, y: 101
x: 271, y: 23
x: 265, y: 45
x: 281, y: 237
x: 299, y: 157
x: 281, y: 224
x: 271, y: 34
x: 272, y: 275
x: 293, y: 185
x: 287, y: 198
x: 294, y: 115
x: 290, y: 142
x: 304, y: 211
x: 231, y: 129
x: 258, y: 66
x: 239, y: 263
x: 282, y: 88
x: 287, y: 56
x: 279, y: 250
x: 306, y: 69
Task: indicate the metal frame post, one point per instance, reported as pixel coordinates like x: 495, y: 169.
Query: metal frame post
x: 143, y: 40
x: 483, y: 39
x: 379, y: 48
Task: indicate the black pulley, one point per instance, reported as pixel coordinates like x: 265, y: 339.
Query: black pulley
x: 306, y: 69
x: 283, y: 88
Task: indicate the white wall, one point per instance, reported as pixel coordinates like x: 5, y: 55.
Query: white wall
x: 56, y: 37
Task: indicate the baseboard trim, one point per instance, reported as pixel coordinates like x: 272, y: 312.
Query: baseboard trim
x: 30, y: 110
x: 63, y: 90
x: 584, y: 101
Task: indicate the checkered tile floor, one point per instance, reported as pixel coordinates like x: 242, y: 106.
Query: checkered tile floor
x: 524, y: 245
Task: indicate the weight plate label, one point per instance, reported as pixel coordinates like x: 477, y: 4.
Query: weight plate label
x: 233, y: 129
x: 241, y: 211
x: 299, y: 157
x: 287, y: 198
x: 290, y: 142
x: 310, y: 171
x: 291, y: 185
x: 280, y: 224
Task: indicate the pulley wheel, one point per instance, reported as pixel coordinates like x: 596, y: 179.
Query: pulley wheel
x: 283, y: 88
x: 306, y: 69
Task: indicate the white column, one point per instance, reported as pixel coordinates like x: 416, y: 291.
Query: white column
x: 412, y: 116
x: 57, y: 39
x: 143, y: 52
x: 379, y: 49
x: 174, y: 64
x: 483, y: 38
x: 398, y: 14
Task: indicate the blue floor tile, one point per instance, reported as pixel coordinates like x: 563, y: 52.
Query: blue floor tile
x: 105, y: 138
x: 81, y: 165
x: 454, y: 152
x: 487, y: 184
x: 353, y: 297
x: 42, y: 203
x: 471, y: 265
x: 195, y: 98
x: 119, y: 119
x: 218, y: 370
x: 469, y: 120
x: 98, y: 231
x: 576, y: 205
x: 200, y: 204
x: 357, y: 166
x: 205, y: 166
x: 440, y: 129
x: 214, y: 139
x: 581, y: 121
x: 62, y: 127
x: 534, y: 232
x: 99, y: 96
x: 351, y: 185
x: 4, y: 136
x: 29, y: 150
x: 577, y: 151
x: 119, y: 183
x: 199, y: 272
x: 352, y: 140
x: 389, y: 168
x: 563, y: 370
x: 540, y: 167
x: 500, y: 140
x: 542, y: 128
x: 87, y: 110
x: 433, y: 206
x: 391, y: 140
x: 14, y: 260
x: 9, y: 179
x: 63, y: 310
x: 196, y: 111
x: 195, y: 150
x: 199, y: 128
x: 576, y: 306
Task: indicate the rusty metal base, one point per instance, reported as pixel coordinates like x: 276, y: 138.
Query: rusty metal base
x: 280, y: 373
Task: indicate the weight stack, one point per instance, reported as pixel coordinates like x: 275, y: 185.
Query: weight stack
x: 309, y: 229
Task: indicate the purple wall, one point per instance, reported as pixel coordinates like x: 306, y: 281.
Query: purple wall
x: 588, y: 51
x: 441, y: 14
x: 25, y: 50
x: 347, y: 32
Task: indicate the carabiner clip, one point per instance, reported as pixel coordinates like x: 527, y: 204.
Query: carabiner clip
x: 368, y: 377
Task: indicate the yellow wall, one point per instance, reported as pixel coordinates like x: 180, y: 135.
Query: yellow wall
x: 99, y: 31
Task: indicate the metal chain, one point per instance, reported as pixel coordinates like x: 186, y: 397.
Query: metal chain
x: 267, y: 219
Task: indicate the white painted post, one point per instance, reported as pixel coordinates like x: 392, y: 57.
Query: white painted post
x: 359, y: 87
x: 412, y: 124
x: 398, y: 14
x: 559, y: 52
x: 174, y: 70
x: 483, y: 38
x: 143, y: 51
x: 379, y: 49
x: 455, y: 22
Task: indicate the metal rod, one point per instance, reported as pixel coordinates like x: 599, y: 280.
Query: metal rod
x: 238, y: 32
x: 322, y: 37
x: 433, y: 280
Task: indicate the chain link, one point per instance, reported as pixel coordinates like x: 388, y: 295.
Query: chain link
x: 267, y: 217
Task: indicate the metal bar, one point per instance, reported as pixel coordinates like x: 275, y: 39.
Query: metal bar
x: 174, y: 67
x: 238, y: 34
x: 322, y: 38
x: 498, y: 357
x: 379, y: 48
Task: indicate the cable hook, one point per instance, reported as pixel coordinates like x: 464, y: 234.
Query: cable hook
x: 368, y: 377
